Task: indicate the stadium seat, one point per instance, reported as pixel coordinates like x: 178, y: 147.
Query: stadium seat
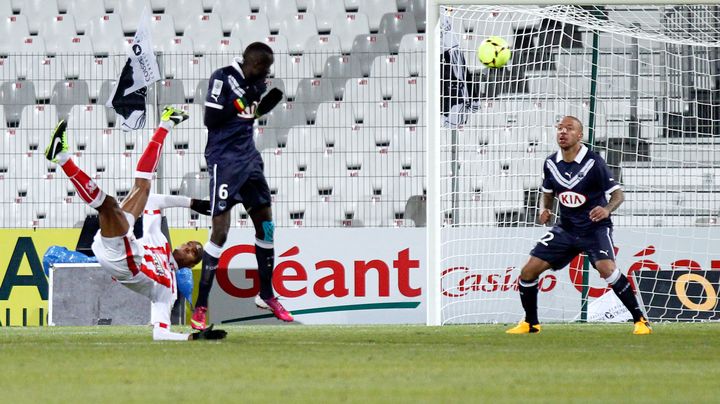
x: 39, y: 12
x: 99, y: 143
x: 348, y: 28
x: 75, y: 54
x: 303, y: 142
x: 191, y: 70
x: 292, y: 69
x: 201, y: 93
x: 278, y: 11
x: 366, y: 47
x: 361, y: 92
x: 319, y: 48
x: 130, y: 11
x: 106, y: 88
x: 251, y: 28
x: 297, y: 29
x: 85, y: 121
x: 229, y: 48
x: 206, y: 33
x: 278, y: 43
x: 230, y: 11
x: 412, y: 46
x: 339, y: 70
x: 272, y: 82
x: 14, y: 27
x: 333, y: 115
x: 417, y: 7
x: 27, y: 53
x: 385, y: 114
x: 409, y: 96
x: 8, y: 70
x: 170, y: 92
x: 394, y: 26
x: 310, y: 93
x: 5, y: 8
x: 193, y: 132
x: 279, y: 122
x: 162, y: 28
x: 389, y: 67
x: 107, y: 35
x: 56, y: 31
x: 67, y: 93
x: 44, y: 73
x: 178, y: 46
x: 352, y: 5
x: 96, y: 72
x: 158, y: 6
x: 326, y: 13
x: 375, y: 9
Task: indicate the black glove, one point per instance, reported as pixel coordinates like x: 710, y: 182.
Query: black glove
x: 200, y: 206
x: 209, y: 333
x: 268, y: 102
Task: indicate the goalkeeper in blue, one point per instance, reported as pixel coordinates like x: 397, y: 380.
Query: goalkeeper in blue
x: 234, y: 100
x: 579, y: 178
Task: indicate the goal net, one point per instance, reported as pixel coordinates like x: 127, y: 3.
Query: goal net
x: 644, y: 82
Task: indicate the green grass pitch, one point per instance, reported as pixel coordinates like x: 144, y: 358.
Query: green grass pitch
x: 328, y: 364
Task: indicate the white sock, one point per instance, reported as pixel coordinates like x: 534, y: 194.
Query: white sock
x: 613, y: 277
x: 63, y: 157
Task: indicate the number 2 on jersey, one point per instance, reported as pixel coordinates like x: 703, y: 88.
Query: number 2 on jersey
x: 545, y: 238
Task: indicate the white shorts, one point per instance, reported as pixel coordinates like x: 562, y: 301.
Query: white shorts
x: 122, y: 258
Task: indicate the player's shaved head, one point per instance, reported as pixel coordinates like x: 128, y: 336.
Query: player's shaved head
x: 577, y: 121
x: 258, y: 52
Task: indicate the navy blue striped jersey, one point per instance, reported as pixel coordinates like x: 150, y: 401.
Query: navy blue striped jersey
x: 228, y: 115
x: 579, y: 186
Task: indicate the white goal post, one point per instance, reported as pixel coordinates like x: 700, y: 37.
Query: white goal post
x: 645, y: 81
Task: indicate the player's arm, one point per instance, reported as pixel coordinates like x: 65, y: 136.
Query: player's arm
x: 548, y: 197
x: 219, y: 102
x: 607, y: 182
x: 617, y: 197
x: 546, y: 209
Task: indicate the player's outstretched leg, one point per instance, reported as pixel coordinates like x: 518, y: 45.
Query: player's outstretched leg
x: 147, y: 164
x: 58, y: 152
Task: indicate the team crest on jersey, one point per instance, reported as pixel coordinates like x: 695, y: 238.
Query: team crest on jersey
x: 222, y: 205
x: 572, y: 199
x: 91, y: 186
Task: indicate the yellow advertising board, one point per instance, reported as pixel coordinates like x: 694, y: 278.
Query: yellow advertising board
x: 23, y: 285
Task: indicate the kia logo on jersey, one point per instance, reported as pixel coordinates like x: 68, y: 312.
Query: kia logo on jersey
x: 572, y: 199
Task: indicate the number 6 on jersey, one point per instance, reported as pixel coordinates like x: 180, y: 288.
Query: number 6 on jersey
x: 222, y: 191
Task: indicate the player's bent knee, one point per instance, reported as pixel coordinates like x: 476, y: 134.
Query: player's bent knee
x: 533, y: 269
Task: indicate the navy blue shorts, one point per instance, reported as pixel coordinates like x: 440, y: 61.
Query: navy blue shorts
x: 558, y: 247
x: 231, y: 184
